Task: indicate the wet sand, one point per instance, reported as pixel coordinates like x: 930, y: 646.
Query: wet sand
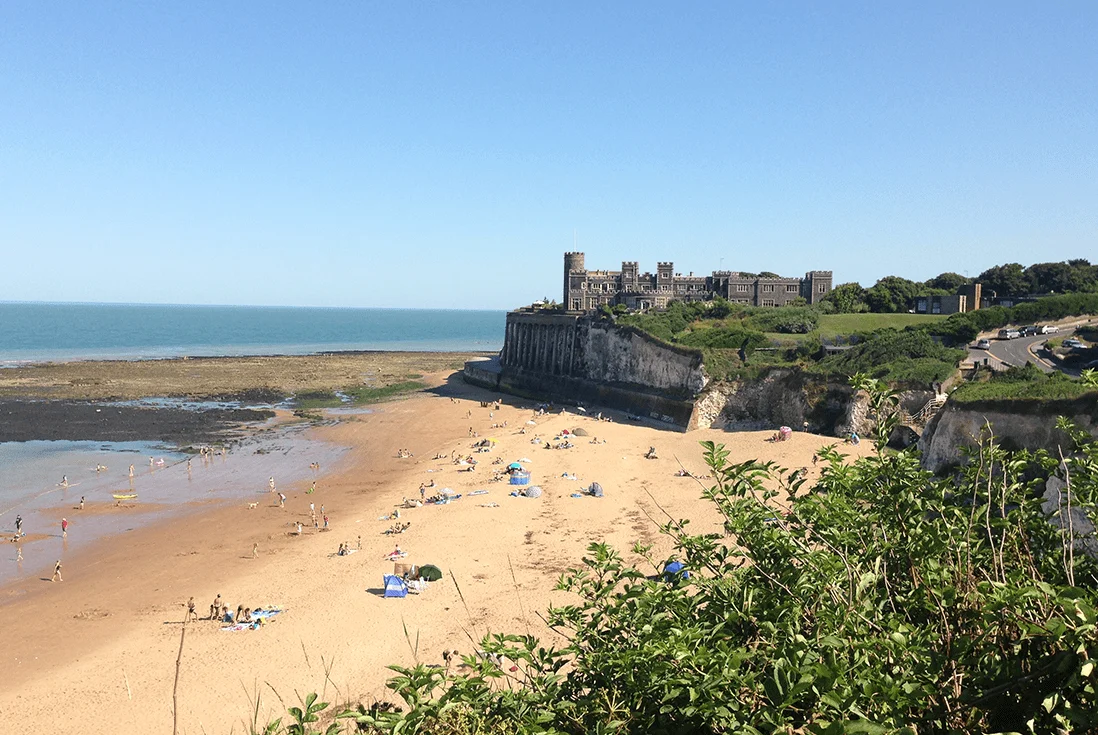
x: 99, y: 648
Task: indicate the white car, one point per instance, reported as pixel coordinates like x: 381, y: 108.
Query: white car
x: 1048, y: 329
x: 983, y: 344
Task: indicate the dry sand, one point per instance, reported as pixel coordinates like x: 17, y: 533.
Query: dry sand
x: 96, y: 653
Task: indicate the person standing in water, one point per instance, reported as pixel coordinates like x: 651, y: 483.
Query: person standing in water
x: 131, y: 471
x: 64, y: 528
x: 18, y: 525
x: 271, y: 483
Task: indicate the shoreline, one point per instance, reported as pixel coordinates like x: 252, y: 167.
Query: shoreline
x: 104, y: 641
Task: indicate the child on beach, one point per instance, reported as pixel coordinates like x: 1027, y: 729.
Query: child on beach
x: 81, y: 502
x: 57, y: 572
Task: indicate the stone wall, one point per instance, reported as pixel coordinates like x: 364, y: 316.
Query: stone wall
x: 589, y: 348
x: 578, y: 358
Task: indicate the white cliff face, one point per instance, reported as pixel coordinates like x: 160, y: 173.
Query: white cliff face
x: 617, y: 355
x: 957, y: 427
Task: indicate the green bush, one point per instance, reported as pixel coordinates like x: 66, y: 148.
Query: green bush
x: 1027, y: 383
x: 910, y: 355
x: 787, y: 320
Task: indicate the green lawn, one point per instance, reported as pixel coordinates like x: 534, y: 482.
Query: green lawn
x: 832, y: 325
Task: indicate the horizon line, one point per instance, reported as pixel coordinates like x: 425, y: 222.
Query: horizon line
x: 4, y: 302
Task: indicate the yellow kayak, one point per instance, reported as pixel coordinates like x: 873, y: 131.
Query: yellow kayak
x: 125, y: 497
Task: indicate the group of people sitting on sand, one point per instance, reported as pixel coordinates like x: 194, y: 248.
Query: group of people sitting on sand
x: 397, y: 528
x: 403, y: 454
x: 221, y: 613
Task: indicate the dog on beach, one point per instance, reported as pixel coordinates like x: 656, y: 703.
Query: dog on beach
x: 253, y: 506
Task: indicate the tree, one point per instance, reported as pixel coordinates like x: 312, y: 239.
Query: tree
x: 948, y: 282
x: 1005, y: 280
x: 1076, y: 275
x: 847, y: 298
x: 891, y: 295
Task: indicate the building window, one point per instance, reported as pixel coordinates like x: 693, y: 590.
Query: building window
x: 792, y: 288
x: 822, y: 288
x: 768, y: 288
x: 605, y: 287
x: 742, y: 287
x: 768, y: 302
x: 575, y: 304
x: 584, y: 285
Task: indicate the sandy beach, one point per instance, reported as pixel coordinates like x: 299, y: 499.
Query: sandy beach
x: 96, y: 653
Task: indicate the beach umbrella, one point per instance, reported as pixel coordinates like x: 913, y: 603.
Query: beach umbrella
x: 430, y: 572
x: 514, y: 466
x: 581, y: 408
x: 580, y: 432
x: 493, y: 441
x: 533, y: 491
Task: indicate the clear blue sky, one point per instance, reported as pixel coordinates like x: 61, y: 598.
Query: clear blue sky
x: 442, y: 154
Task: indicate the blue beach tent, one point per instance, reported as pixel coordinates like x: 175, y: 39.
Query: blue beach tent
x: 674, y: 572
x: 395, y: 586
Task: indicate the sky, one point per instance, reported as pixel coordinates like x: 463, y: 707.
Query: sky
x: 446, y: 155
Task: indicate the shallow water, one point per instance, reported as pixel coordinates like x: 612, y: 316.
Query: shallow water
x: 30, y: 473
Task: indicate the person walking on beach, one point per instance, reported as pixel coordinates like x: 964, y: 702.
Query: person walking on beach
x: 19, y: 555
x: 299, y: 528
x: 18, y: 525
x: 312, y: 509
x: 325, y: 521
x: 131, y: 470
x: 57, y: 572
x: 281, y: 500
x: 191, y: 612
x: 81, y: 502
x: 64, y: 528
x: 360, y: 542
x: 255, y: 550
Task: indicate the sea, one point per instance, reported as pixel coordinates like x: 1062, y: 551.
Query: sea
x: 43, y: 481
x: 37, y: 332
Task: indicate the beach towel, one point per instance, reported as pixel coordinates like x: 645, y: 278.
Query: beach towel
x: 265, y: 614
x: 479, y: 492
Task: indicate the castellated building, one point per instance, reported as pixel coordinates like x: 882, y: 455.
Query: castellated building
x: 585, y: 290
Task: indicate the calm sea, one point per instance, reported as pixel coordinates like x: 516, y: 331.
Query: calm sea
x: 31, y: 332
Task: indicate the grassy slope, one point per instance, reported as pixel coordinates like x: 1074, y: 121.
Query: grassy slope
x: 836, y: 324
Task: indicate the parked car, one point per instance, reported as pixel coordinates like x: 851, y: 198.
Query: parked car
x: 983, y: 344
x: 1029, y: 331
x: 1009, y: 334
x: 1049, y: 329
x: 1074, y: 344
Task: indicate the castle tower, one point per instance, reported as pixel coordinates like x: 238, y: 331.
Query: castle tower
x: 572, y: 262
